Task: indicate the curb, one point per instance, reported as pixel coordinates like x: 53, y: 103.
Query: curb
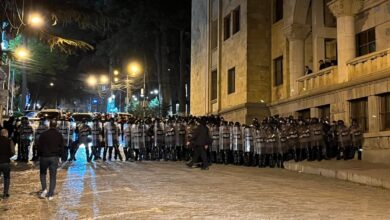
x: 346, y: 175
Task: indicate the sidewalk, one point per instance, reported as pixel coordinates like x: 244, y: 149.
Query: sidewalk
x: 372, y: 174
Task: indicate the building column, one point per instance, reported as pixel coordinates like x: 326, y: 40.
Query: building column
x: 373, y: 113
x: 296, y: 35
x: 344, y: 11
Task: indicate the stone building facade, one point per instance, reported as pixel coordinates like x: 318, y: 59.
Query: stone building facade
x: 248, y: 60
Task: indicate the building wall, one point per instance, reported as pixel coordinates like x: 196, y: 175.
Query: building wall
x: 199, y: 57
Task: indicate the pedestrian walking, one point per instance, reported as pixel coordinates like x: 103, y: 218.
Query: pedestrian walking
x: 200, y: 140
x: 7, y: 150
x: 50, y: 149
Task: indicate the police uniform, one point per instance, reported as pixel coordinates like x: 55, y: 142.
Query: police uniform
x: 237, y: 144
x: 357, y: 140
x: 96, y: 131
x: 83, y: 131
x: 224, y: 143
x: 25, y: 132
x: 42, y: 127
x: 248, y: 145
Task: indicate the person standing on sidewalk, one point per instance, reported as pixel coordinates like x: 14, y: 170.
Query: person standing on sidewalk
x: 50, y: 149
x: 200, y: 140
x: 7, y: 150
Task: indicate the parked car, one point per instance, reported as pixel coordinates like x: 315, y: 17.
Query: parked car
x: 50, y: 114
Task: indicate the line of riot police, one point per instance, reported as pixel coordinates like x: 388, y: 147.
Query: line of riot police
x: 267, y: 143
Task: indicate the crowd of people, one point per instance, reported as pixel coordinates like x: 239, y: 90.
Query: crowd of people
x: 266, y: 143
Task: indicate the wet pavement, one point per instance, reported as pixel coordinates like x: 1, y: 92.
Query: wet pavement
x: 170, y: 190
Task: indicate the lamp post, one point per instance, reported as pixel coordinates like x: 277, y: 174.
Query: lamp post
x: 133, y: 70
x: 94, y: 82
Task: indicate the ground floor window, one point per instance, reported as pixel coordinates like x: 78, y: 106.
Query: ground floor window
x: 304, y: 114
x: 359, y: 112
x: 385, y: 112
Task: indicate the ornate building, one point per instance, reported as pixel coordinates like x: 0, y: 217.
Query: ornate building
x: 248, y: 59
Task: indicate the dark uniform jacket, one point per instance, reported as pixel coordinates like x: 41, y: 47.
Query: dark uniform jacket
x: 50, y: 143
x: 201, y: 136
x: 6, y: 149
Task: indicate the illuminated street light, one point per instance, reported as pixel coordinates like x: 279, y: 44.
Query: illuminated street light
x: 51, y: 84
x: 36, y: 20
x: 116, y: 79
x: 92, y: 81
x: 155, y: 91
x: 21, y: 53
x: 116, y: 72
x: 103, y: 79
x: 134, y: 69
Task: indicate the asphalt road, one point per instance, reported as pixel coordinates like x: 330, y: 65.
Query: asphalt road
x: 170, y: 190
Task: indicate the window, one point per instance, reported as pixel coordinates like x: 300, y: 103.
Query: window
x: 214, y: 34
x: 324, y: 111
x: 359, y: 112
x: 304, y: 114
x: 214, y: 85
x: 226, y: 27
x: 365, y: 42
x: 231, y: 80
x: 236, y: 20
x: 278, y: 10
x: 385, y: 112
x: 278, y: 71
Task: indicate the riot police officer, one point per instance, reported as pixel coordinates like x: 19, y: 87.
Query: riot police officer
x: 67, y: 131
x: 96, y: 136
x: 344, y: 140
x: 25, y: 132
x: 126, y: 138
x: 111, y: 133
x: 82, y: 131
x: 248, y: 146
x: 180, y: 133
x: 214, y: 134
x: 224, y: 142
x: 169, y: 132
x: 158, y: 136
x: 42, y: 127
x: 237, y: 144
x: 357, y: 140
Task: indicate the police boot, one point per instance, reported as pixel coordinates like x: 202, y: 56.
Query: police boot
x: 117, y: 151
x: 109, y: 153
x: 338, y: 153
x: 255, y: 160
x: 278, y: 160
x: 281, y: 161
x: 296, y: 155
x: 360, y: 151
x: 225, y: 157
x: 308, y: 154
x: 105, y: 153
x: 345, y: 153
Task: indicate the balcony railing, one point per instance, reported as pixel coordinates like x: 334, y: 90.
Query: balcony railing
x: 368, y: 64
x: 327, y: 76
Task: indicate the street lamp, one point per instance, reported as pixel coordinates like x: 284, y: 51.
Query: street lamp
x: 103, y: 79
x: 116, y: 72
x: 51, y: 84
x: 92, y: 81
x: 36, y: 20
x: 22, y: 53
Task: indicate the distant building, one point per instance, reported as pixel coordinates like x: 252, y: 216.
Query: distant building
x: 248, y: 60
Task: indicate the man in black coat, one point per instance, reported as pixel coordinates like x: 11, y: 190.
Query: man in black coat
x: 7, y: 150
x: 200, y: 140
x: 50, y: 148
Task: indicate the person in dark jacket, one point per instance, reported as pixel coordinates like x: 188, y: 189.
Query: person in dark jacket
x: 50, y: 148
x: 7, y: 150
x: 200, y: 140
